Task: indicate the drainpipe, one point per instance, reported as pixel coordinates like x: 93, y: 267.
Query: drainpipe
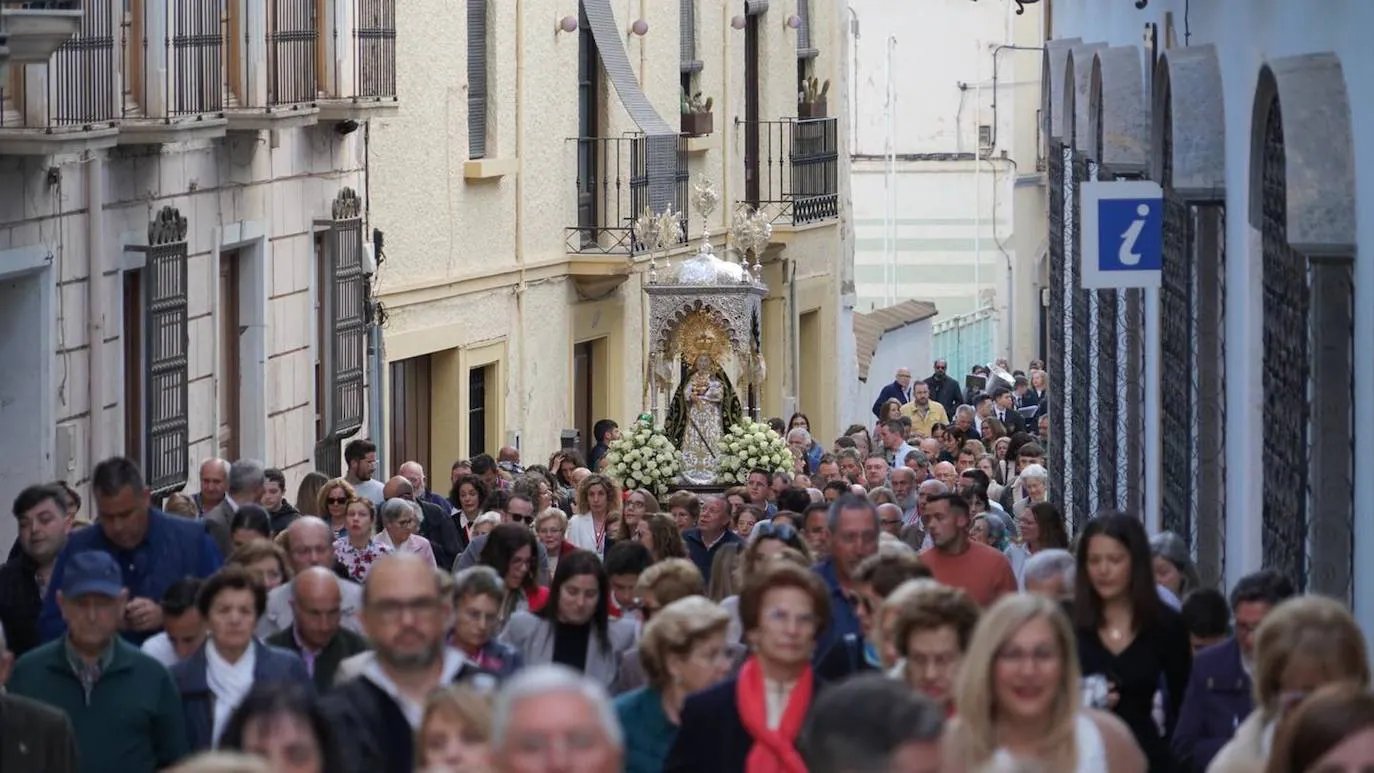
x: 790, y: 270
x: 97, y: 442
x: 519, y: 366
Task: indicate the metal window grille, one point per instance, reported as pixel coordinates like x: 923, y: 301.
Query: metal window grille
x: 612, y: 187
x: 344, y: 337
x: 292, y: 37
x: 799, y: 178
x: 1209, y: 390
x: 1178, y: 354
x: 1079, y: 398
x: 374, y: 32
x: 1286, y: 373
x: 81, y: 76
x: 197, y: 49
x: 477, y: 78
x: 166, y: 345
x: 806, y: 47
x: 1058, y: 322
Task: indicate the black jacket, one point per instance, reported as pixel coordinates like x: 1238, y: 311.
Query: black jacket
x: 282, y: 517
x: 712, y: 735
x: 946, y: 392
x: 35, y: 737
x: 438, y: 528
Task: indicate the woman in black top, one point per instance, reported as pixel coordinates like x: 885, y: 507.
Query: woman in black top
x: 1126, y: 635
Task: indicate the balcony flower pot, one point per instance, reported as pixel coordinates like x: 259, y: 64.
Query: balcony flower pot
x: 811, y: 109
x: 698, y: 124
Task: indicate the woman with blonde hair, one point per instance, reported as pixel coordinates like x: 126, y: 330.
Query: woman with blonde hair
x: 598, y: 508
x: 307, y: 499
x: 454, y: 732
x: 683, y: 651
x: 332, y: 502
x: 1018, y: 699
x: 1304, y: 644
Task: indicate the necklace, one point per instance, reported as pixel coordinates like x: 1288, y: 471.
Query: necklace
x: 1115, y: 634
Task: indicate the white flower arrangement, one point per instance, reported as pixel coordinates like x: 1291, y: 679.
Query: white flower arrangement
x: 644, y: 458
x: 751, y: 445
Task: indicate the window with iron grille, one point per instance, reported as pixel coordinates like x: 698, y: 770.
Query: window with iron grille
x: 477, y: 78
x: 164, y: 425
x: 688, y: 31
x: 343, y: 329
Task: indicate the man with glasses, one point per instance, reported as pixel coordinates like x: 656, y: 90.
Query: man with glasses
x: 406, y: 614
x: 853, y: 526
x: 316, y: 633
x: 309, y: 543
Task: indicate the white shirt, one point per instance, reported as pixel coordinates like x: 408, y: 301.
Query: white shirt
x: 414, y: 712
x: 159, y: 648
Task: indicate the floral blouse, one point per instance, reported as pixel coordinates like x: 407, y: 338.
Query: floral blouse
x: 359, y: 562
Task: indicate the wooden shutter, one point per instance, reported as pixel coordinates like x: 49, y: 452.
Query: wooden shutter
x: 477, y: 78
x: 345, y: 337
x: 165, y: 362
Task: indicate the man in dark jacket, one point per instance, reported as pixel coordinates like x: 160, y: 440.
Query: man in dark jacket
x: 943, y: 389
x: 899, y: 389
x: 1218, y: 697
x: 377, y: 715
x: 315, y: 632
x: 34, y: 737
x: 274, y: 501
x: 152, y: 549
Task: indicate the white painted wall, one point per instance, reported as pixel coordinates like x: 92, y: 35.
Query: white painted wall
x: 1246, y: 34
x: 938, y: 221
x: 908, y: 347
x: 24, y: 354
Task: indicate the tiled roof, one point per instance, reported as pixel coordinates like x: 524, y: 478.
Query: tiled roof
x: 869, y: 327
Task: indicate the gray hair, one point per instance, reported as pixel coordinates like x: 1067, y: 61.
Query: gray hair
x: 1034, y: 472
x: 799, y: 432
x: 246, y: 475
x: 395, y: 509
x: 932, y: 486
x: 1048, y: 564
x: 1171, y: 547
x: 553, y: 679
x: 862, y: 722
x: 963, y: 410
x: 489, y: 517
x: 479, y: 581
x: 850, y: 501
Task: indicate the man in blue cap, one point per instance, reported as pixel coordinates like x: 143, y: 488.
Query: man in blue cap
x: 122, y: 703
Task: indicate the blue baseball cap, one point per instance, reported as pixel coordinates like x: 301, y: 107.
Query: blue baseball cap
x: 92, y: 572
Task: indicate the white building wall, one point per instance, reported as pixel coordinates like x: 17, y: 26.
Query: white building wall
x: 1247, y: 34
x: 908, y: 347
x: 242, y: 191
x: 946, y: 235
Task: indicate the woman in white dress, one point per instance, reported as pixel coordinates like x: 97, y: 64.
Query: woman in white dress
x: 598, y: 508
x: 1018, y: 699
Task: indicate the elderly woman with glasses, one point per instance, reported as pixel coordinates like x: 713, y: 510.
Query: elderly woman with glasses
x: 479, y: 593
x: 400, y: 529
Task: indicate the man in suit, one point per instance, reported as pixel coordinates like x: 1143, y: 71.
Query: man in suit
x: 900, y: 389
x: 247, y: 481
x: 315, y: 632
x: 34, y: 737
x: 1004, y: 408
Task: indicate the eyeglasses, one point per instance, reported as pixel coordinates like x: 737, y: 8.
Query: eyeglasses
x: 337, y: 500
x: 892, y: 521
x: 521, y: 518
x: 778, y: 531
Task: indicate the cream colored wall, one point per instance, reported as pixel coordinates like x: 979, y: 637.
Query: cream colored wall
x: 475, y: 261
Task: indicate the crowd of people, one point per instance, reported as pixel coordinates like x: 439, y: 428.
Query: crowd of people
x: 906, y: 601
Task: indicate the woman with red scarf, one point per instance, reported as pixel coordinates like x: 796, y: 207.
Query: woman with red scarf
x: 751, y: 723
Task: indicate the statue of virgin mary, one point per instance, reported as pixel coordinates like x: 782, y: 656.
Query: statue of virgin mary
x: 703, y: 407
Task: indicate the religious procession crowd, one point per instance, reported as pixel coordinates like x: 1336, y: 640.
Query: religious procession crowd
x: 904, y: 600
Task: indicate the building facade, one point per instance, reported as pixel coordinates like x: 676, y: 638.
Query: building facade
x: 1223, y: 404
x: 949, y: 204
x: 512, y: 278
x: 182, y: 197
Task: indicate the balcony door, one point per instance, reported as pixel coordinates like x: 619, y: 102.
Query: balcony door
x: 229, y: 381
x: 588, y: 127
x: 751, y: 109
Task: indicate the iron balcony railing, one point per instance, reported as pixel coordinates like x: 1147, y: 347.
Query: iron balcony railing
x: 292, y: 52
x: 80, y: 84
x: 374, y: 52
x: 798, y: 175
x: 612, y: 190
x: 173, y: 54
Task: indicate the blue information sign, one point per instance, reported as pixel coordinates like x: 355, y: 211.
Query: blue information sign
x: 1123, y: 234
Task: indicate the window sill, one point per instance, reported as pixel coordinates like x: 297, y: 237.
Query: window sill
x: 488, y: 168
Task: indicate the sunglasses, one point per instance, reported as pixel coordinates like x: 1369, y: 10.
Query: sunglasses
x: 770, y: 530
x: 337, y: 500
x: 521, y: 518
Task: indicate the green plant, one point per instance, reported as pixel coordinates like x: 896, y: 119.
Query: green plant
x: 694, y: 103
x: 813, y: 91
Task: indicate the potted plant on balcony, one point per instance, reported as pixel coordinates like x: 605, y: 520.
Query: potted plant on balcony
x: 697, y: 119
x: 811, y: 98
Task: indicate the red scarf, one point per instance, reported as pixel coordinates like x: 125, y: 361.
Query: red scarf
x: 774, y: 751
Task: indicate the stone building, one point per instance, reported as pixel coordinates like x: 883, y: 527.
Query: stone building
x: 182, y: 192
x: 1223, y: 405
x: 511, y: 277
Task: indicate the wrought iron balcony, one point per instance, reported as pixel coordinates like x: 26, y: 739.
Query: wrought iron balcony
x: 70, y: 102
x: 793, y: 177
x: 359, y: 77
x: 32, y: 31
x: 612, y: 189
x: 173, y: 52
x: 272, y: 57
